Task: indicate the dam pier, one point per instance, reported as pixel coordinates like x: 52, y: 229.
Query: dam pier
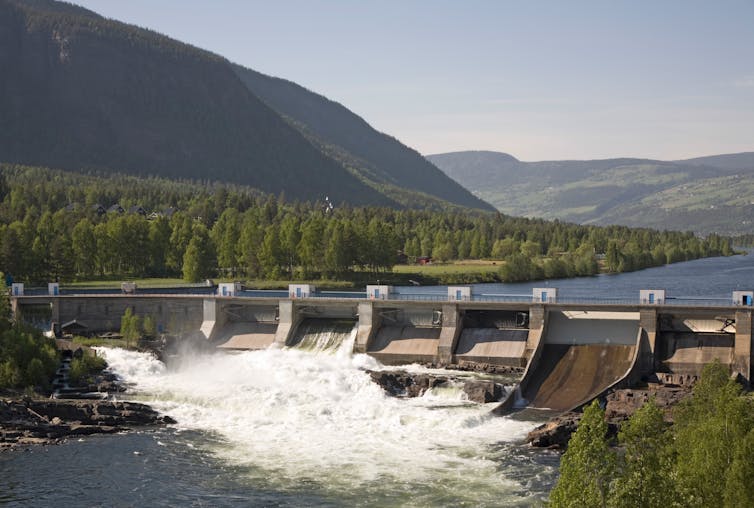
x: 572, y: 351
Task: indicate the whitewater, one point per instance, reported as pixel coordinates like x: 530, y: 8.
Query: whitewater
x: 312, y: 419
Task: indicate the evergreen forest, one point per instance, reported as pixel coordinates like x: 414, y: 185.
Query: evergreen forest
x: 57, y: 225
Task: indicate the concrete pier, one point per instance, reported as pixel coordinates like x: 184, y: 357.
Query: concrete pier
x: 449, y: 333
x: 743, y: 344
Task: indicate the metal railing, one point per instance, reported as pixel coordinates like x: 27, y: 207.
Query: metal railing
x: 398, y: 296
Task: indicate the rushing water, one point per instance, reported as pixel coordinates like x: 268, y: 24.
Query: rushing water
x: 305, y: 426
x: 289, y: 427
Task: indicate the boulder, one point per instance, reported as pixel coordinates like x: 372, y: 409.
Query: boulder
x: 555, y: 433
x: 400, y: 383
x: 483, y: 391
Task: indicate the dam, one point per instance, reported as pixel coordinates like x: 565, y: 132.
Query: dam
x: 572, y: 351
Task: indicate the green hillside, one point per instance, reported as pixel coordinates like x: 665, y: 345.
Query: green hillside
x: 709, y: 194
x: 85, y: 93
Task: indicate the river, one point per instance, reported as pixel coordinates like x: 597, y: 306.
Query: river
x: 303, y: 427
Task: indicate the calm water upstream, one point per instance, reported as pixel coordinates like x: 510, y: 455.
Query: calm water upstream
x: 299, y: 427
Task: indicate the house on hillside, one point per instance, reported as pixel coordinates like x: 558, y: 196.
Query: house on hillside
x: 116, y: 208
x: 167, y: 213
x: 137, y: 209
x: 424, y: 260
x: 99, y: 209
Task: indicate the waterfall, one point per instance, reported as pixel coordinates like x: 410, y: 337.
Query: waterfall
x: 289, y: 418
x: 323, y: 335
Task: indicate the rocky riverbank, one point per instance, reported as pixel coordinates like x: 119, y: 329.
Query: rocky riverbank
x: 73, y: 409
x: 619, y: 406
x: 29, y: 421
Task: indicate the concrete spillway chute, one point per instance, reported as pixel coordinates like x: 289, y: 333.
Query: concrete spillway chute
x: 582, y: 354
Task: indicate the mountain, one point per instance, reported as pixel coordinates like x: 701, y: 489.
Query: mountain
x: 737, y: 161
x: 81, y: 92
x: 707, y: 194
x: 376, y: 157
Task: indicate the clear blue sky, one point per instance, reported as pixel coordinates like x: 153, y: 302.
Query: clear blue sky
x: 537, y: 79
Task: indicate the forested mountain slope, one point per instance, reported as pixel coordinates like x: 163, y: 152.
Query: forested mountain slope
x: 708, y: 194
x: 345, y: 136
x: 81, y: 92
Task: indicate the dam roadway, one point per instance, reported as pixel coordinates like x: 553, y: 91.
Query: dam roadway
x: 572, y: 351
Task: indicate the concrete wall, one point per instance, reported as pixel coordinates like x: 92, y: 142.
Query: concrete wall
x: 103, y: 313
x: 432, y: 331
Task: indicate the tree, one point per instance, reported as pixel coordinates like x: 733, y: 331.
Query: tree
x: 290, y: 236
x: 739, y: 487
x: 310, y: 247
x: 130, y: 327
x: 337, y: 260
x: 612, y: 256
x: 709, y: 427
x: 150, y: 329
x: 84, y: 248
x: 587, y: 466
x: 182, y: 231
x: 518, y: 268
x: 249, y: 240
x: 225, y: 235
x: 644, y: 468
x: 270, y: 255
x: 159, y: 246
x: 198, y: 260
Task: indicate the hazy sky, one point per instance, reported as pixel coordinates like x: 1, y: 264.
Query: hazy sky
x: 537, y: 79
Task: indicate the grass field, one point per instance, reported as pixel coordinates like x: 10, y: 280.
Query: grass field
x: 460, y: 272
x: 450, y: 268
x: 468, y: 271
x: 115, y: 284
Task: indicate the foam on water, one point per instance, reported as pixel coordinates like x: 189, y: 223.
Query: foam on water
x: 296, y: 418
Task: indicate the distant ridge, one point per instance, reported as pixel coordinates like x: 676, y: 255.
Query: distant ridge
x: 712, y: 194
x: 81, y: 92
x: 374, y: 156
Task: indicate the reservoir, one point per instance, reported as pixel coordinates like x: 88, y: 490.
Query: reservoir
x: 306, y: 426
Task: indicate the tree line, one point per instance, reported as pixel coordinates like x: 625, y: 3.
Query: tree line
x: 51, y: 227
x: 703, y: 459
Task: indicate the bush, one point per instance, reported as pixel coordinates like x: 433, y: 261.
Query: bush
x: 27, y: 358
x: 83, y: 368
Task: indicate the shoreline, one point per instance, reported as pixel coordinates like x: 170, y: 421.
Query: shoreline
x: 28, y: 421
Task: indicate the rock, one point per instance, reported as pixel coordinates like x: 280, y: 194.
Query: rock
x: 555, y: 433
x: 400, y: 383
x: 29, y: 421
x: 621, y: 404
x: 483, y: 391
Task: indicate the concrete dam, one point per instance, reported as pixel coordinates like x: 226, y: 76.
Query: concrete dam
x: 571, y: 351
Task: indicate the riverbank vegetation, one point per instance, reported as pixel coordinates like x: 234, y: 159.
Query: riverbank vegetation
x: 703, y: 459
x: 28, y: 359
x: 69, y: 226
